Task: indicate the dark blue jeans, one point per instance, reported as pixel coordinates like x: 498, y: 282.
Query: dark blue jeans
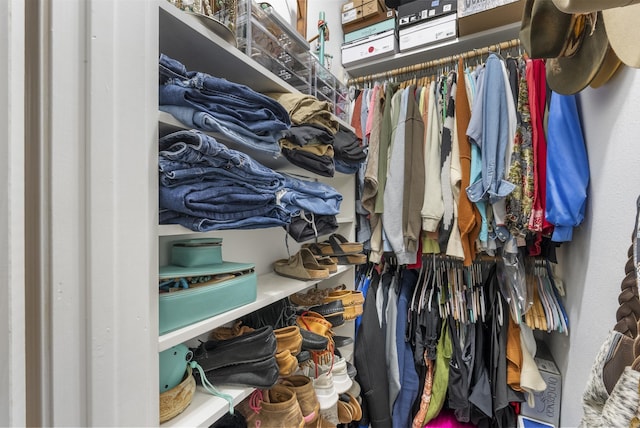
x: 231, y: 106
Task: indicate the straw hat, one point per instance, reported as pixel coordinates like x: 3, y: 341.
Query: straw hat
x: 620, y: 24
x: 174, y: 401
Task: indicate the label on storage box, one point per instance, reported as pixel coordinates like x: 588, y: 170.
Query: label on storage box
x: 347, y: 6
x: 350, y: 15
x: 469, y: 7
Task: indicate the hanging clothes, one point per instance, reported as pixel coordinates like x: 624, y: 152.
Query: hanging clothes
x: 468, y: 214
x: 370, y: 362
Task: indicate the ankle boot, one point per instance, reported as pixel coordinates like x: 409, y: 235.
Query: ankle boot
x: 303, y: 387
x: 288, y: 338
x: 275, y: 408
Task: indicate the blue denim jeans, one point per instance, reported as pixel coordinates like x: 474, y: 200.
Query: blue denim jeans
x: 312, y: 196
x: 204, y: 185
x: 200, y: 224
x: 190, y: 156
x: 233, y: 106
x: 226, y: 131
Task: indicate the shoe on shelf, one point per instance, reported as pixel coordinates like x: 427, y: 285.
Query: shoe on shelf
x: 302, y: 265
x: 274, y: 408
x: 306, y: 396
x: 288, y: 338
x: 327, y: 397
x: 287, y: 363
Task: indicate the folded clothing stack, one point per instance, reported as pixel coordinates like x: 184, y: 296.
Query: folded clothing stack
x: 349, y: 153
x: 307, y: 109
x: 205, y: 185
x: 235, y: 112
x: 309, y: 146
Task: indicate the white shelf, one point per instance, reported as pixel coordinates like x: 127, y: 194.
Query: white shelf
x: 344, y: 220
x: 206, y: 408
x: 184, y: 38
x: 271, y: 288
x: 441, y: 50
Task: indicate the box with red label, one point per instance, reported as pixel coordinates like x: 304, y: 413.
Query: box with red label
x: 375, y: 46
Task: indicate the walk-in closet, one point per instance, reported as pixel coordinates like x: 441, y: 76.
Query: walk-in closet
x: 382, y: 213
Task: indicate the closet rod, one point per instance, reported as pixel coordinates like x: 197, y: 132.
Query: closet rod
x: 434, y: 63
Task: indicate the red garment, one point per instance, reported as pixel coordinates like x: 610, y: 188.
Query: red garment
x: 537, y: 83
x: 356, y: 121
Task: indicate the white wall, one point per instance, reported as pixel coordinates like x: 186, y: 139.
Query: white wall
x: 593, y: 263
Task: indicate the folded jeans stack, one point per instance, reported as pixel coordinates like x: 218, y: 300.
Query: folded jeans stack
x: 209, y: 103
x: 204, y: 185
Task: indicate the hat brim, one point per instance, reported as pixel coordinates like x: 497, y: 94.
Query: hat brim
x: 618, y: 23
x: 610, y: 65
x: 570, y: 75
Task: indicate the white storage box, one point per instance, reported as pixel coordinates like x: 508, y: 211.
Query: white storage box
x: 378, y: 45
x: 429, y: 32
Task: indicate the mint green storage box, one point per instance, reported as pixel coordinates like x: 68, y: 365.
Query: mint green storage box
x: 191, y: 258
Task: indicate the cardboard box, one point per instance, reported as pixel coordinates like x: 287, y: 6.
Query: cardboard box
x: 428, y: 32
x: 421, y: 10
x: 370, y: 30
x: 489, y: 19
x: 370, y: 20
x: 358, y: 10
x: 547, y: 402
x: 352, y: 15
x: 378, y: 45
x: 351, y: 5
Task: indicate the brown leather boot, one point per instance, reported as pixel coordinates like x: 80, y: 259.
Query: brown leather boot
x: 277, y: 408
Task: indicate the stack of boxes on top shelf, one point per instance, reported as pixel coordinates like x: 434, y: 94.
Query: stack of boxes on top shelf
x: 266, y: 37
x: 373, y: 31
x: 369, y: 29
x: 426, y: 22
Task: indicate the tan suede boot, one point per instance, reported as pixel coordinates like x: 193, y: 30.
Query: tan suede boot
x: 303, y: 387
x: 277, y: 408
x: 289, y: 338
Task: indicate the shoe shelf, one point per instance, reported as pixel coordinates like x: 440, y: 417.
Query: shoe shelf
x: 186, y: 39
x: 205, y: 408
x: 271, y: 288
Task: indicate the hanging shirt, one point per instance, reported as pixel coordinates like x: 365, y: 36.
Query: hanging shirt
x: 385, y: 141
x: 536, y: 78
x: 489, y: 130
x: 520, y: 201
x: 477, y: 84
x: 567, y: 168
x: 433, y: 205
x: 394, y: 190
x: 468, y: 214
x: 413, y: 197
x: 446, y: 86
